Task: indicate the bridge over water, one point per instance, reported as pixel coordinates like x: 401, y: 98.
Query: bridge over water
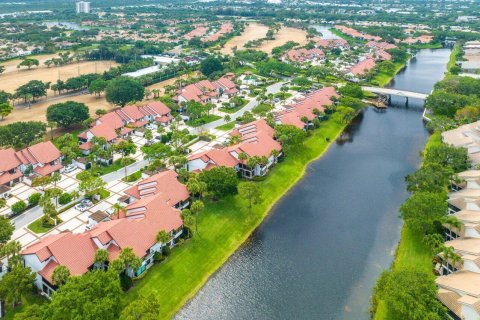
x: 396, y: 92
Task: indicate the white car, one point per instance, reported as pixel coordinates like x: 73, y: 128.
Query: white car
x: 69, y: 168
x: 81, y: 207
x: 87, y: 203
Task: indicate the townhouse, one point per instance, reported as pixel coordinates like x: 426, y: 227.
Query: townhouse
x: 205, y: 90
x: 225, y: 28
x: 121, y: 123
x: 136, y: 227
x: 41, y: 159
x: 314, y: 56
x: 466, y: 136
x: 256, y: 140
x: 165, y: 183
x: 459, y: 281
x: 356, y: 34
x: 332, y: 43
x: 361, y: 68
x: 307, y: 108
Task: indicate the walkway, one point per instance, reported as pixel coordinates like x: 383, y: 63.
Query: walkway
x: 396, y: 92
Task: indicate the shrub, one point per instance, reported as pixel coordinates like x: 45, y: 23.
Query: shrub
x: 47, y: 222
x: 18, y: 207
x: 166, y: 251
x: 34, y: 199
x: 158, y: 257
x: 65, y: 198
x: 104, y: 194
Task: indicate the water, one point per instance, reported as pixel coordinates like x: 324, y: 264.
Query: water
x: 319, y: 252
x: 325, y: 31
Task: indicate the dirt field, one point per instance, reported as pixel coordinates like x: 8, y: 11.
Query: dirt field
x: 252, y: 32
x: 38, y: 110
x: 258, y: 31
x: 12, y: 78
x: 282, y: 37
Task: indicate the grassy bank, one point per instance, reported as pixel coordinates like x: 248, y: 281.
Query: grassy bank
x: 223, y: 227
x: 412, y: 253
x: 453, y: 57
x: 382, y: 79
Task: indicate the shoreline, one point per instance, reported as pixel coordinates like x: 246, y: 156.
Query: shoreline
x: 254, y: 225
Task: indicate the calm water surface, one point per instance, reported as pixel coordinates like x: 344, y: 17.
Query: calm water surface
x: 323, y: 245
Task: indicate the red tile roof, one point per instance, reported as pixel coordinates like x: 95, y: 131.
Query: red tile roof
x: 9, y: 160
x: 43, y: 152
x: 363, y: 67
x: 165, y: 183
x: 104, y: 130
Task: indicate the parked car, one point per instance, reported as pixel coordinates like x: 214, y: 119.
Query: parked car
x: 87, y: 203
x: 81, y: 207
x: 69, y: 168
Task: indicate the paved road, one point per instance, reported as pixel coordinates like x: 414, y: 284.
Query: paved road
x: 27, y: 217
x: 274, y: 88
x: 120, y: 174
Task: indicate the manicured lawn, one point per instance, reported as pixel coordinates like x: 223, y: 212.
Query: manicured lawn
x: 223, y: 227
x: 230, y: 110
x: 227, y: 126
x: 36, y: 226
x: 412, y: 253
x: 203, y: 120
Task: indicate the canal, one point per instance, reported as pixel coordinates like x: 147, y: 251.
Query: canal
x: 320, y: 250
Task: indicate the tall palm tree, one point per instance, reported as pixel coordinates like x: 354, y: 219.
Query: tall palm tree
x: 163, y: 238
x: 118, y: 208
x: 242, y: 157
x: 196, y: 207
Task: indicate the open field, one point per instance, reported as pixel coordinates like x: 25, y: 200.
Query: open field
x: 38, y: 110
x: 13, y: 77
x: 223, y: 227
x: 252, y: 32
x: 256, y: 31
x: 283, y: 36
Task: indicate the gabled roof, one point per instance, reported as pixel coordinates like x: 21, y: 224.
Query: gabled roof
x: 104, y: 130
x: 165, y: 183
x: 43, y: 152
x: 9, y: 160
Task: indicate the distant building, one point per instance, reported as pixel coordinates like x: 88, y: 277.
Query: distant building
x: 82, y: 7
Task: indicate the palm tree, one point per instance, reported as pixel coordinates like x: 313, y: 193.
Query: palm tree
x: 163, y: 238
x: 118, y: 208
x: 188, y: 220
x: 197, y: 207
x: 252, y: 164
x: 242, y: 157
x: 275, y: 153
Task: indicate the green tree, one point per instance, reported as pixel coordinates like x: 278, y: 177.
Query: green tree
x: 163, y: 237
x: 6, y: 230
x: 32, y: 89
x: 430, y: 178
x: 142, y: 308
x: 101, y: 258
x: 29, y: 63
x: 92, y: 186
x: 128, y: 261
x: 123, y: 90
x: 410, y: 295
x: 289, y: 135
x: 188, y: 220
x: 60, y: 275
x: 197, y: 207
x: 211, y: 65
x: 68, y: 113
x: 97, y: 86
x: 94, y: 295
x: 15, y: 284
x: 423, y: 209
x: 156, y: 151
x: 5, y: 109
x: 448, y: 156
x: 220, y: 181
x: 251, y: 192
